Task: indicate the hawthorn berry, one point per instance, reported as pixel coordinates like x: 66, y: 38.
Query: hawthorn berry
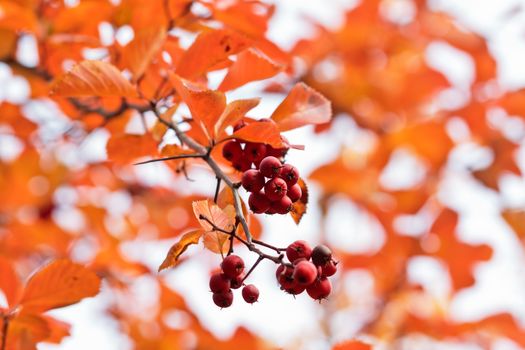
x: 321, y: 255
x: 282, y: 206
x: 294, y: 192
x: 255, y: 152
x: 224, y: 299
x: 232, y: 266
x: 252, y: 180
x: 329, y: 269
x: 219, y: 283
x: 305, y: 273
x: 242, y: 164
x: 236, y: 282
x: 290, y: 174
x: 320, y: 289
x: 258, y: 202
x: 232, y: 151
x: 297, y: 250
x: 270, y: 166
x: 275, y: 189
x: 284, y: 276
x: 250, y: 293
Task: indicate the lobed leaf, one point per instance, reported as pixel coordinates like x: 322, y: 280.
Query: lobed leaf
x: 299, y: 207
x: 124, y: 148
x: 262, y: 132
x: 10, y: 284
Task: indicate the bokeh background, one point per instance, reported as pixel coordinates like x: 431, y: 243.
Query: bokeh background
x: 477, y: 128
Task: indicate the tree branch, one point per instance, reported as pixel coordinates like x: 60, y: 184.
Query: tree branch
x: 180, y: 156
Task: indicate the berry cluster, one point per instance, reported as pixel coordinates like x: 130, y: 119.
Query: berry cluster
x: 272, y: 184
x: 304, y: 274
x: 231, y: 277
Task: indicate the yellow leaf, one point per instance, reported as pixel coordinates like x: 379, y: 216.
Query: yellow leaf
x: 93, y: 78
x: 220, y: 218
x: 60, y: 283
x: 172, y: 258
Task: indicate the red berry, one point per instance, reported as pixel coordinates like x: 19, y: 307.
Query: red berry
x: 219, y: 283
x: 224, y: 299
x: 252, y: 180
x: 232, y: 151
x: 305, y: 273
x: 290, y: 174
x: 329, y: 269
x: 275, y: 189
x: 236, y: 283
x: 270, y: 211
x: 321, y: 255
x: 232, y: 266
x: 258, y: 202
x: 250, y: 293
x: 298, y: 249
x: 284, y: 276
x: 242, y: 164
x: 294, y: 192
x: 270, y: 166
x: 282, y: 206
x: 320, y: 289
x: 255, y: 152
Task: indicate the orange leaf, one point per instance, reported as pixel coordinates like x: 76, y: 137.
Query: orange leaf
x: 206, y: 106
x: 516, y: 220
x: 302, y: 106
x: 180, y: 247
x: 299, y: 207
x: 209, y: 49
x: 221, y: 218
x: 58, y: 284
x: 234, y: 112
x: 142, y: 49
x: 260, y: 131
x: 9, y: 282
x: 249, y: 66
x: 352, y: 345
x: 124, y: 148
x: 93, y: 78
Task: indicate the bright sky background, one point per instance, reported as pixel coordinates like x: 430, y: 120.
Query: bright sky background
x: 280, y: 318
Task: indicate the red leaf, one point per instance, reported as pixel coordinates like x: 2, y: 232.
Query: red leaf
x: 302, y: 106
x: 234, y: 112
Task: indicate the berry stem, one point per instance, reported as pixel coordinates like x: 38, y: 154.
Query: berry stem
x: 250, y: 245
x: 191, y: 143
x: 5, y: 328
x: 264, y: 244
x: 259, y: 259
x: 217, y: 187
x: 180, y: 156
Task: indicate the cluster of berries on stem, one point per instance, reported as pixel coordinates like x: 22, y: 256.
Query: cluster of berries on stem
x: 273, y: 185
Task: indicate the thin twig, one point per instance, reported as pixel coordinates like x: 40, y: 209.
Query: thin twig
x: 217, y: 188
x: 5, y: 329
x: 259, y: 259
x: 179, y: 156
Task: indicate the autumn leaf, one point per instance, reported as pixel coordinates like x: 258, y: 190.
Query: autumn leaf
x: 142, y: 49
x: 209, y: 49
x: 206, y: 106
x: 58, y: 284
x: 516, y: 220
x: 124, y: 148
x: 260, y: 131
x: 233, y: 113
x: 302, y: 106
x: 10, y: 284
x: 217, y: 220
x: 172, y: 259
x: 249, y: 66
x: 93, y: 78
x: 352, y: 345
x: 299, y: 207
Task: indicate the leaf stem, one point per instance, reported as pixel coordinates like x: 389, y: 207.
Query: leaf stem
x: 5, y: 328
x: 180, y: 156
